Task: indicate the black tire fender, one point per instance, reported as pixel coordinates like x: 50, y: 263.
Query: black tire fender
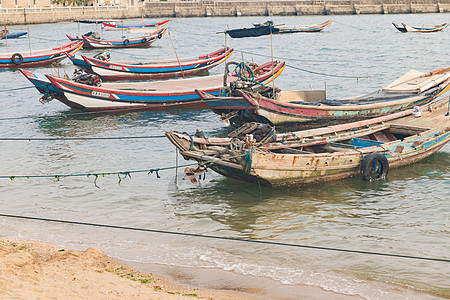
x: 374, y: 166
x: 159, y: 35
x: 144, y: 40
x: 126, y: 41
x: 17, y: 58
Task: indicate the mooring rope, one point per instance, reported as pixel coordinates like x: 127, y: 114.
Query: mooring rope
x: 226, y: 238
x: 324, y: 74
x: 81, y: 138
x: 359, y: 28
x: 303, y: 70
x: 81, y: 113
x: 282, y: 58
x: 15, y: 89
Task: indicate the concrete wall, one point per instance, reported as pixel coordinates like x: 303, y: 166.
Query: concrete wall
x: 169, y: 9
x: 285, y: 8
x: 63, y: 14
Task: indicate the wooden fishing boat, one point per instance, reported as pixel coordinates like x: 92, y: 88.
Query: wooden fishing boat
x: 37, y: 58
x: 405, y: 28
x: 368, y: 148
x: 3, y: 33
x: 121, y: 26
x: 132, y: 42
x: 42, y: 84
x: 299, y: 28
x: 295, y: 108
x: 162, y: 94
x: 78, y: 60
x: 158, y: 69
x: 256, y: 31
x: 86, y: 45
x: 14, y: 35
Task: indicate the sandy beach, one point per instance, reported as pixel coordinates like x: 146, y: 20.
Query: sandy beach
x: 35, y: 270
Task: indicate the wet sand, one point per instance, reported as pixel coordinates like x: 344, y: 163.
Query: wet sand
x: 31, y: 270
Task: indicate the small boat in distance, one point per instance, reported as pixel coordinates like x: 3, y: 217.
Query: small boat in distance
x: 37, y: 58
x: 369, y: 148
x: 405, y: 28
x: 256, y: 31
x: 121, y: 26
x: 299, y: 28
x: 15, y: 35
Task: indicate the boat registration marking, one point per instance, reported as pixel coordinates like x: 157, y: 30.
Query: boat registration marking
x: 100, y: 94
x: 115, y: 67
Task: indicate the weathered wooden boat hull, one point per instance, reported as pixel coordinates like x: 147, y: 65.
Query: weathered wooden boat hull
x: 307, y: 28
x: 276, y: 177
x: 251, y: 107
x: 282, y: 114
x: 157, y: 69
x: 37, y: 58
x: 153, y: 95
x: 401, y: 138
x: 405, y: 28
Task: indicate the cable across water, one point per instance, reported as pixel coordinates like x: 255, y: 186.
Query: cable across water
x: 229, y: 238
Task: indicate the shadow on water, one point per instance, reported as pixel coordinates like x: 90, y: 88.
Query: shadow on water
x: 240, y: 206
x: 75, y: 122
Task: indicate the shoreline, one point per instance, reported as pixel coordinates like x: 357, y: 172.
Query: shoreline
x: 31, y: 268
x: 10, y: 16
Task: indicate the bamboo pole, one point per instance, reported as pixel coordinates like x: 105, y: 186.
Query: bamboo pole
x: 173, y: 46
x: 29, y: 39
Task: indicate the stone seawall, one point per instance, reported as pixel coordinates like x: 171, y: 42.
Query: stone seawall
x: 209, y: 8
x: 292, y: 7
x: 21, y: 16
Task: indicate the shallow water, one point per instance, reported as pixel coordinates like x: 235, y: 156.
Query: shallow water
x: 409, y: 214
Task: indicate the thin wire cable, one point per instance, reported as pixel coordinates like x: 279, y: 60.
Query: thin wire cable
x: 227, y: 238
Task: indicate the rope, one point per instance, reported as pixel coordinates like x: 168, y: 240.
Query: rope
x: 82, y: 139
x: 248, y: 160
x: 15, y: 89
x: 324, y: 74
x: 359, y: 28
x: 304, y: 70
x: 283, y: 58
x: 68, y: 115
x: 191, y: 146
x: 227, y: 238
x: 58, y: 176
x: 119, y: 173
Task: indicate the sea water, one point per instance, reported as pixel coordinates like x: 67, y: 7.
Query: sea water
x: 408, y: 214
